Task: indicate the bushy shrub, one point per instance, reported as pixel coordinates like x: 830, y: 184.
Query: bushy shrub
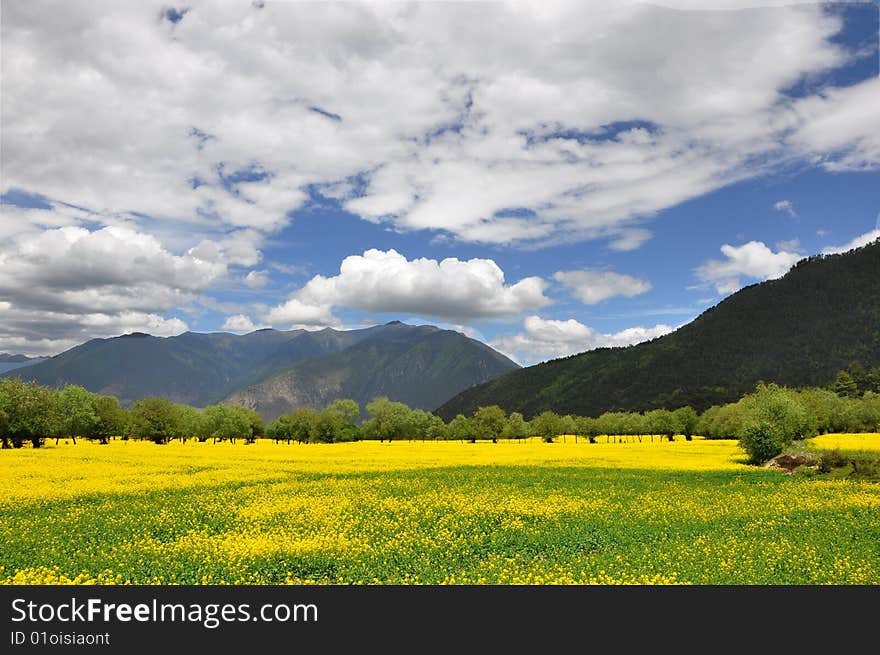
x: 761, y: 441
x: 772, y: 417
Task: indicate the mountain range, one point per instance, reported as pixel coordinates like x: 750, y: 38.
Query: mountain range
x: 798, y: 330
x: 276, y: 371
x: 9, y: 362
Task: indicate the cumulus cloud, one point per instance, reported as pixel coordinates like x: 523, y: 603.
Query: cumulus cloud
x: 240, y: 323
x: 450, y: 116
x: 752, y: 260
x: 857, y: 242
x: 544, y: 339
x: 295, y: 312
x: 62, y: 286
x: 386, y: 281
x: 595, y: 286
x: 785, y: 206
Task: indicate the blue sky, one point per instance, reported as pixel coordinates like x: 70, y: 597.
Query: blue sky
x: 548, y: 179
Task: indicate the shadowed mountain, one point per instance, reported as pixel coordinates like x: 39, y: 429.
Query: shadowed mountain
x: 798, y: 330
x: 10, y: 362
x: 193, y: 368
x: 421, y: 366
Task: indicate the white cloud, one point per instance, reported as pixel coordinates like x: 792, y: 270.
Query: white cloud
x: 785, y: 206
x: 294, y: 312
x: 753, y: 260
x: 451, y: 113
x: 840, y: 127
x: 61, y: 286
x: 240, y: 323
x: 113, y: 268
x: 203, y: 136
x: 237, y: 248
x: 857, y: 242
x: 256, y: 279
x: 595, y: 286
x: 386, y: 281
x: 544, y: 339
x: 43, y: 332
x: 630, y: 239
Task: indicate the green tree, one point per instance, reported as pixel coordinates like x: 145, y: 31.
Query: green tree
x: 859, y: 375
x: 301, y: 421
x: 192, y: 423
x: 460, y: 428
x: 280, y: 429
x: 4, y: 427
x: 867, y: 413
x: 687, y: 419
x: 388, y: 419
x: 31, y: 412
x: 76, y: 412
x: 417, y: 424
x: 845, y: 386
x: 336, y: 422
x: 232, y: 422
x: 662, y: 422
x: 254, y: 421
x: 112, y: 419
x: 156, y: 419
x: 613, y: 423
x: 588, y: 427
x: 568, y: 426
x: 436, y: 428
x: 489, y: 422
x: 872, y: 380
x: 516, y: 427
x: 547, y: 425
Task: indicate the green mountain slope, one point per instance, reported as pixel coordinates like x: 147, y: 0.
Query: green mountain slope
x: 798, y: 330
x: 421, y: 366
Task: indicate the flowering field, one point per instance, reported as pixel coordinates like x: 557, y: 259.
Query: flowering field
x: 860, y: 442
x: 429, y: 512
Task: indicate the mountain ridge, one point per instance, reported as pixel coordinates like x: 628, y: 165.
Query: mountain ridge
x: 421, y: 366
x: 201, y: 369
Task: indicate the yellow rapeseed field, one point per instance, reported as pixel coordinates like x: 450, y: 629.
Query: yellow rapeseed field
x: 428, y: 513
x: 847, y: 442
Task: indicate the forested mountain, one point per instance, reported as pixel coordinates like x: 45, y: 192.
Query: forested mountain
x: 798, y: 330
x: 421, y: 366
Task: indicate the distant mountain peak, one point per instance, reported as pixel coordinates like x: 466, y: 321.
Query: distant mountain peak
x: 135, y: 335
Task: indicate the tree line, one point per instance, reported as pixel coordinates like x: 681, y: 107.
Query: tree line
x: 764, y: 421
